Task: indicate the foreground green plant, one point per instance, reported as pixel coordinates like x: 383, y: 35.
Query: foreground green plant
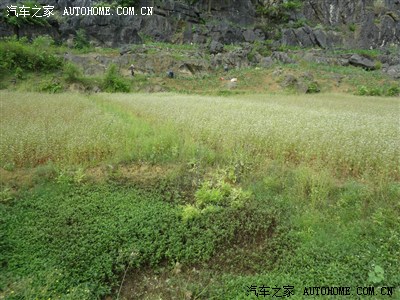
x: 114, y: 82
x: 389, y: 91
x: 19, y: 54
x: 76, y: 240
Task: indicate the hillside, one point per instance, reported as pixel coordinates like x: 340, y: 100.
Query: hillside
x: 308, y: 23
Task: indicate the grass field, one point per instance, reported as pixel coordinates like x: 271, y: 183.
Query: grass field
x: 172, y: 196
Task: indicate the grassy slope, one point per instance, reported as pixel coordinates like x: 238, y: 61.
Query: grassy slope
x: 310, y: 220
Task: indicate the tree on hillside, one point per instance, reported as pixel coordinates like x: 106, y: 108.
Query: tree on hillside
x: 277, y: 11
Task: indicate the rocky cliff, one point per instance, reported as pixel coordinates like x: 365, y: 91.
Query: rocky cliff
x: 317, y: 23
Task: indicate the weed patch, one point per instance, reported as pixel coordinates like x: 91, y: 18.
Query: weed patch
x: 114, y: 82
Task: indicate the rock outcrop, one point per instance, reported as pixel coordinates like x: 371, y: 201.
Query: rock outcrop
x: 319, y: 23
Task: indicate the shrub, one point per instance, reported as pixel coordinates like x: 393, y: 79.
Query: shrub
x: 352, y: 27
x: 393, y: 91
x: 278, y: 11
x: 362, y: 90
x: 313, y: 88
x: 221, y: 191
x: 51, y: 87
x: 71, y: 73
x: 389, y: 91
x: 114, y: 82
x: 81, y: 41
x: 20, y: 54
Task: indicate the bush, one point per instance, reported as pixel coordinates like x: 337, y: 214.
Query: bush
x: 393, y: 91
x: 20, y: 54
x: 51, y: 87
x: 81, y: 41
x: 389, y: 91
x: 221, y: 191
x: 278, y: 11
x: 71, y: 73
x: 114, y: 82
x: 313, y: 88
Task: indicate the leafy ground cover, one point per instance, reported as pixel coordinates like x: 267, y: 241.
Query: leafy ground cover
x: 196, y: 197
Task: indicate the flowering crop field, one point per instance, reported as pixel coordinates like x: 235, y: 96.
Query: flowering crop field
x: 173, y: 196
x: 358, y: 136
x: 69, y: 129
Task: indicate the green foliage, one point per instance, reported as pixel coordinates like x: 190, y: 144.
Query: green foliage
x: 299, y: 23
x: 127, y: 3
x: 393, y: 91
x: 389, y: 91
x: 43, y: 42
x: 119, y: 3
x: 70, y: 176
x: 6, y: 194
x: 52, y: 87
x: 19, y: 73
x: 114, y: 82
x: 377, y: 275
x: 190, y: 212
x: 313, y: 88
x: 72, y: 73
x: 278, y: 12
x: 81, y: 40
x: 29, y: 20
x: 64, y: 240
x: 21, y: 54
x: 262, y: 48
x: 220, y: 190
x: 352, y: 27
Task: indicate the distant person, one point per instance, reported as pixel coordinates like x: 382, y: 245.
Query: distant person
x: 170, y: 74
x: 226, y: 68
x: 132, y: 69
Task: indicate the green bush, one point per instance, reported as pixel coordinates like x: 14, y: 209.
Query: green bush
x: 278, y: 11
x: 72, y: 73
x: 81, y: 40
x: 313, y: 88
x: 20, y: 54
x: 362, y: 90
x: 114, y: 82
x: 389, y: 91
x: 352, y: 27
x: 393, y: 91
x: 221, y: 191
x: 52, y: 87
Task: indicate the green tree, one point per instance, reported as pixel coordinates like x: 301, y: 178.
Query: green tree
x: 277, y: 11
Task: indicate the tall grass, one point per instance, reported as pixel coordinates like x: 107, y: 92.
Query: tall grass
x: 67, y: 129
x: 347, y: 135
x: 70, y: 129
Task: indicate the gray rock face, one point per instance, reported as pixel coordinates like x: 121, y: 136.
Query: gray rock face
x: 308, y: 37
x: 359, y: 61
x: 266, y: 62
x: 377, y: 22
x: 282, y: 57
x: 237, y: 58
x: 394, y: 71
x: 216, y: 47
x: 332, y: 23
